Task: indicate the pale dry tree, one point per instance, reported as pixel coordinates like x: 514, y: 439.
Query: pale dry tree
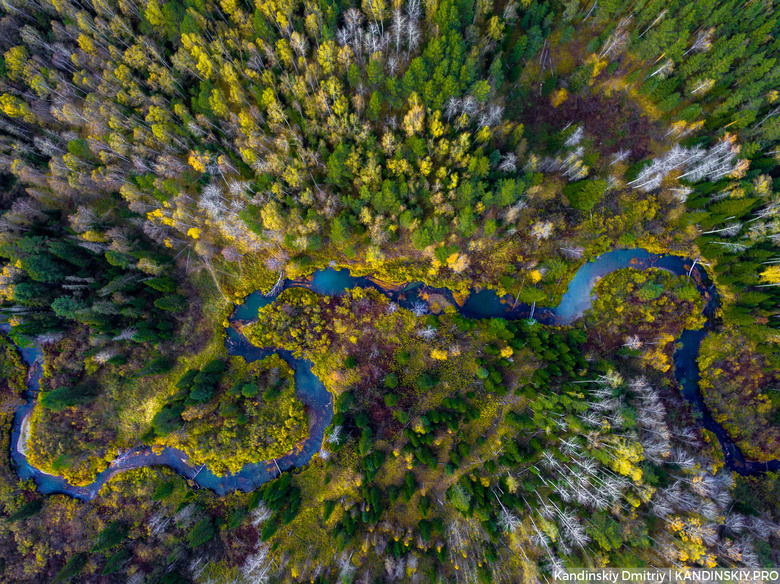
x: 346, y: 568
x: 492, y: 116
x: 633, y: 342
x: 575, y: 138
x: 49, y: 338
x: 702, y: 86
x: 729, y: 230
x: 573, y: 252
x: 542, y: 229
x: 702, y: 42
x: 105, y: 355
x: 212, y: 202
x: 469, y: 106
x: 259, y: 515
x: 257, y: 566
x: 413, y: 36
x: 414, y: 10
x: 652, y: 175
x: 395, y: 568
x: 732, y: 246
x: 428, y: 333
x: 419, y: 308
x: 335, y: 435
x: 619, y: 156
x: 392, y: 65
x: 120, y: 240
x: 372, y: 40
x: 687, y: 435
x: 572, y: 528
x: 237, y: 188
x: 734, y: 522
x: 453, y: 107
x: 570, y: 165
x: 459, y: 535
x: 681, y: 194
x: 664, y: 69
x: 343, y: 37
x: 186, y: 516
x: 761, y: 527
x: 615, y: 43
x: 96, y: 248
x: 696, y: 164
x: 681, y: 458
x: 508, y: 163
x: 126, y: 334
x: 612, y: 378
x: 198, y: 567
x: 158, y: 523
x: 508, y: 521
x: 398, y: 29
x: 724, y: 194
x: 513, y: 212
x: 739, y: 550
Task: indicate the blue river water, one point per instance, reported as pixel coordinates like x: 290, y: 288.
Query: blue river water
x: 318, y: 401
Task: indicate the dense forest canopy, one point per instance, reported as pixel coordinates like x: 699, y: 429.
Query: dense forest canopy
x: 161, y: 161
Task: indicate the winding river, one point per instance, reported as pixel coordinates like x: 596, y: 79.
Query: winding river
x: 312, y: 392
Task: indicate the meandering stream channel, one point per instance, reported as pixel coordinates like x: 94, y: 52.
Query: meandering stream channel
x: 318, y: 401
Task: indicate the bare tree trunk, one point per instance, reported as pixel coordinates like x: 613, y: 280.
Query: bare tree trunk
x: 216, y: 281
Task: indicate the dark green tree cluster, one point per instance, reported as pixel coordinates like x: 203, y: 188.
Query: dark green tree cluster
x: 60, y: 280
x: 283, y: 500
x: 195, y: 386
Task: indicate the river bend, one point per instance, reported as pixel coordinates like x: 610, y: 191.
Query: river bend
x: 318, y: 401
